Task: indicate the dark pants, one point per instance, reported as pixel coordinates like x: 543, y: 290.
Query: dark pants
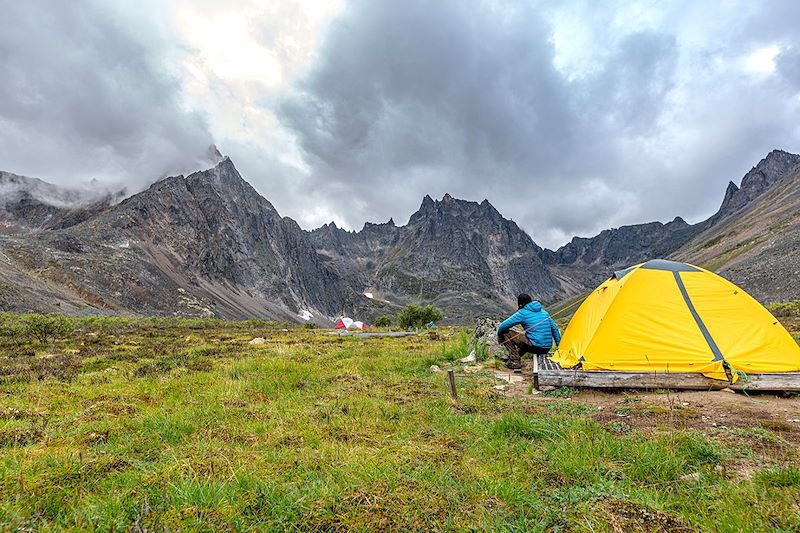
x: 517, y: 344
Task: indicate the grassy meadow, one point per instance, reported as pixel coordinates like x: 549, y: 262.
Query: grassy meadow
x: 168, y: 424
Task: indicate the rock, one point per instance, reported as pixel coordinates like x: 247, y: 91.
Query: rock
x: 257, y: 340
x: 485, y: 335
x: 691, y: 477
x: 728, y: 389
x: 501, y: 387
x: 471, y: 358
x: 435, y: 368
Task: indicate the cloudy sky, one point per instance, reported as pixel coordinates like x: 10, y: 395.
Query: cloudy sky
x: 569, y: 117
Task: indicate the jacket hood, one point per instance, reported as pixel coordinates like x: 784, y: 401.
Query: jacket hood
x: 533, y: 306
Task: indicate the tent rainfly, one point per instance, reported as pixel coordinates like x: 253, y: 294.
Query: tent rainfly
x: 666, y: 316
x: 349, y: 323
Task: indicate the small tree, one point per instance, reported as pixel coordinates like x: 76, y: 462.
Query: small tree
x: 46, y: 327
x: 416, y: 316
x: 383, y: 321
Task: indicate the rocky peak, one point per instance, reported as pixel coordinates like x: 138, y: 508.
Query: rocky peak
x: 224, y: 180
x: 30, y: 204
x: 625, y: 245
x: 769, y: 171
x: 214, y: 226
x: 730, y: 191
x: 14, y: 187
x: 775, y: 165
x: 451, y: 209
x: 388, y: 224
x: 213, y: 154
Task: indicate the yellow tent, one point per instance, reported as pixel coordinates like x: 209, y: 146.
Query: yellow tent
x: 674, y: 317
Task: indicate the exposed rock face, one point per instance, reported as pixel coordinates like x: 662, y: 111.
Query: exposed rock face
x: 756, y: 244
x: 215, y: 226
x: 752, y: 239
x: 209, y: 245
x: 485, y: 335
x: 462, y: 256
x: 759, y: 179
x: 203, y: 245
x: 30, y: 204
x: 590, y: 260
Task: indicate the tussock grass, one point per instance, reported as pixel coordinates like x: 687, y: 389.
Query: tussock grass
x: 182, y: 425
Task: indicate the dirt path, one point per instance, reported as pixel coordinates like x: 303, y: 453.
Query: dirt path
x: 688, y: 409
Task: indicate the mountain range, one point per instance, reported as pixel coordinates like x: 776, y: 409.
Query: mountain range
x: 207, y: 244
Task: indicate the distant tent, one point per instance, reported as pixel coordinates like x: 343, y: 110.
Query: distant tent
x: 344, y: 323
x: 673, y: 317
x: 349, y: 323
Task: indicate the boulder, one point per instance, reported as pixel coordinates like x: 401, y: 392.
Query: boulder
x: 485, y: 335
x: 471, y: 358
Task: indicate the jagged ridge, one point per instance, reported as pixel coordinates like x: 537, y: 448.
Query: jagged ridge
x: 209, y: 245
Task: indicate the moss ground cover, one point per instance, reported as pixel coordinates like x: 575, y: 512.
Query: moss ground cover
x: 183, y: 425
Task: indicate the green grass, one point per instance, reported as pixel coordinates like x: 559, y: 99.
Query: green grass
x: 790, y: 309
x: 182, y: 425
x: 732, y: 253
x: 789, y: 315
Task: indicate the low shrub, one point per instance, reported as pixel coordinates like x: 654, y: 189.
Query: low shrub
x: 383, y: 321
x: 417, y: 316
x: 45, y: 328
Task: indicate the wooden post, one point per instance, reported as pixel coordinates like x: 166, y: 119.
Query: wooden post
x: 452, y: 378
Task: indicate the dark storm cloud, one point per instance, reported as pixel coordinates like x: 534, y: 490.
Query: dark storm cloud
x: 414, y: 97
x: 85, y: 93
x: 654, y: 111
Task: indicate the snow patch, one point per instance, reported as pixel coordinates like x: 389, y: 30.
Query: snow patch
x: 369, y: 295
x: 305, y: 314
x: 121, y: 244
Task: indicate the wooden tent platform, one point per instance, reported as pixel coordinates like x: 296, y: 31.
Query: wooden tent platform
x: 549, y: 374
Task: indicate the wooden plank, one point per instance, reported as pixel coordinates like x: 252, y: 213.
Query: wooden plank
x: 777, y: 381
x: 787, y: 381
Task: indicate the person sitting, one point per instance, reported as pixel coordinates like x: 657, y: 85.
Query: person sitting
x: 540, y: 333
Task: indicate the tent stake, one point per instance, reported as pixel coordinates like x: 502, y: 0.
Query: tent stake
x: 452, y: 378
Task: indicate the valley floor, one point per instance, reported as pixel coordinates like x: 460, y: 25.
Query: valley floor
x: 183, y: 424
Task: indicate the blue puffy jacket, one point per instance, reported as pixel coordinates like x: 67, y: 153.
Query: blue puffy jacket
x: 540, y: 329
